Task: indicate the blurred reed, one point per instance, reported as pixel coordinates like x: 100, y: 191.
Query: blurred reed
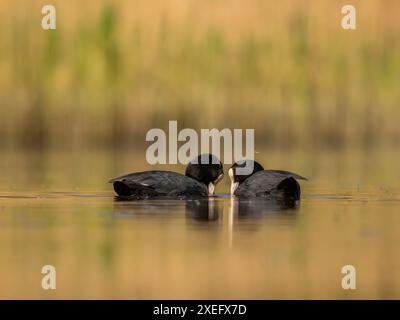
x: 114, y: 69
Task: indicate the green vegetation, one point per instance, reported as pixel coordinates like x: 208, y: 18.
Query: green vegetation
x: 114, y: 69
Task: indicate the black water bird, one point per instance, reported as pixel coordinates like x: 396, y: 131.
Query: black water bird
x: 269, y: 184
x: 201, y: 176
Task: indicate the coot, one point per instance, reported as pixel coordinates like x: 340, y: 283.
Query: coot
x: 271, y: 184
x: 201, y: 176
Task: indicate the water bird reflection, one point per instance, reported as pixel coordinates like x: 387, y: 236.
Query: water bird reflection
x: 259, y: 208
x: 204, y: 209
x: 199, y: 209
x: 210, y: 209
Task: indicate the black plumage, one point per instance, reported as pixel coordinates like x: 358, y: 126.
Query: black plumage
x: 271, y: 184
x: 155, y: 183
x: 201, y: 176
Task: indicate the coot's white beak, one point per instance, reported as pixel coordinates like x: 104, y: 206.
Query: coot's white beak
x: 211, y: 185
x: 211, y: 188
x: 234, y: 185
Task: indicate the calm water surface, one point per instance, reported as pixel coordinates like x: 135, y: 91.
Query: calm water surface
x: 56, y: 208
